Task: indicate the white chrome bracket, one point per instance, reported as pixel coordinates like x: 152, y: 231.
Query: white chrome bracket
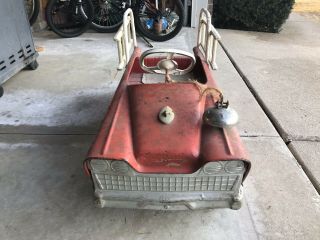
x: 208, y: 38
x: 126, y: 39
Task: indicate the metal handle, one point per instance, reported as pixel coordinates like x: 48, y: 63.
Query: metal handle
x: 208, y: 38
x: 126, y: 39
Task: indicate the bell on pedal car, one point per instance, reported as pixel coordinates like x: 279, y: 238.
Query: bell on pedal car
x: 220, y: 117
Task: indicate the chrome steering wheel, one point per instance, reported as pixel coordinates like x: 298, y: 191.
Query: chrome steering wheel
x: 167, y: 65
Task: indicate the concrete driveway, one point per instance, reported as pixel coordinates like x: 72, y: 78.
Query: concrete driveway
x: 49, y: 117
x: 284, y: 72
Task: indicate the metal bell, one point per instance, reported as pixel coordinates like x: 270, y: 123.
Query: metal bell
x: 220, y: 117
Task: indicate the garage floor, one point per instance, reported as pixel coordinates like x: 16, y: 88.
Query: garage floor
x: 48, y: 120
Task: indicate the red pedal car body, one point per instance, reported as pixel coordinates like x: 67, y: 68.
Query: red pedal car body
x: 168, y: 140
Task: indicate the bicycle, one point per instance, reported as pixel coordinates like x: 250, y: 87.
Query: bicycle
x: 69, y: 18
x: 32, y: 10
x: 158, y: 20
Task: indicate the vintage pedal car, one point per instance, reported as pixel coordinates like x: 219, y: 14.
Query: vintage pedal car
x: 168, y: 140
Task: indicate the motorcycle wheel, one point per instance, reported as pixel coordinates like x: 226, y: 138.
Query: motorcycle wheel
x: 69, y: 19
x: 159, y: 24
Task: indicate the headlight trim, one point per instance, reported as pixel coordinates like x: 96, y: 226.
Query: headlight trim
x: 234, y: 166
x: 119, y: 166
x: 213, y: 167
x: 99, y: 165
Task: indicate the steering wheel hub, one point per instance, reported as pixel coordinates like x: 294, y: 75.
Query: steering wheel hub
x: 167, y: 65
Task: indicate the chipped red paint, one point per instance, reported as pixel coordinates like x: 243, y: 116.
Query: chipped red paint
x: 132, y: 132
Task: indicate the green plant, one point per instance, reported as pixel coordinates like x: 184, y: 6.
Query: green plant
x: 258, y: 15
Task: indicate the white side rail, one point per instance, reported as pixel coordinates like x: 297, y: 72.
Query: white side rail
x: 208, y: 38
x: 203, y: 29
x: 126, y: 39
x: 212, y: 45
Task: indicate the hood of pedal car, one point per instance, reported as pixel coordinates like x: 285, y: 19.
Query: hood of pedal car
x: 133, y: 132
x: 167, y: 144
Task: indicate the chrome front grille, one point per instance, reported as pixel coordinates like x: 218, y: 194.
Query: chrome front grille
x: 166, y: 183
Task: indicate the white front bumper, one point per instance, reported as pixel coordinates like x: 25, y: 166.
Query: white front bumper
x: 167, y: 191
x: 168, y: 201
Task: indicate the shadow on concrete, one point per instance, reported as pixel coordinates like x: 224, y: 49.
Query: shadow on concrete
x: 80, y: 114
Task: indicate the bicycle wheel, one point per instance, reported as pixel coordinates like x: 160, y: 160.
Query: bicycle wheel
x: 108, y: 15
x: 159, y: 23
x: 69, y: 18
x: 32, y: 9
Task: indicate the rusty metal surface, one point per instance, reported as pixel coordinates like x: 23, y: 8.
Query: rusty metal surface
x: 176, y: 145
